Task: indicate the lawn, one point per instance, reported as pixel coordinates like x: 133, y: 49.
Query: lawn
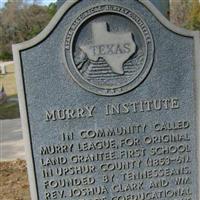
x: 10, y: 109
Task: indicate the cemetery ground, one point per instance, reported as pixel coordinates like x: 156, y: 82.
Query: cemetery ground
x: 9, y: 109
x: 14, y: 181
x: 13, y: 174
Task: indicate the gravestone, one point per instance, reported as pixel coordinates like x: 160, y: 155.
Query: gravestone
x: 163, y: 6
x: 3, y: 68
x: 3, y: 96
x: 109, y: 99
x: 59, y: 3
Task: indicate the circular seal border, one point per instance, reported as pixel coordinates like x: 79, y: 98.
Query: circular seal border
x: 148, y: 39
x: 107, y: 87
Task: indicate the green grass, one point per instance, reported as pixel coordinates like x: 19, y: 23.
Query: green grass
x: 9, y: 110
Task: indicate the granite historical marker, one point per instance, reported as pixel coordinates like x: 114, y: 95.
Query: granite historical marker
x: 109, y: 97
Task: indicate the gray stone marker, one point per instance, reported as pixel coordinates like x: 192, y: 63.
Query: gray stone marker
x: 163, y: 6
x: 109, y: 97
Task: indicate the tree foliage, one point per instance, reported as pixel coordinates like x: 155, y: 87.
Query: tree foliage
x: 179, y: 12
x: 20, y: 22
x: 194, y: 16
x: 186, y: 13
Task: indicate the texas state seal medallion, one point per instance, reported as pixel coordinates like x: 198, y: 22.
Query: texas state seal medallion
x: 109, y: 50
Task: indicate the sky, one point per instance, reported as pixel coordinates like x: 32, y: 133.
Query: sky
x: 43, y: 2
